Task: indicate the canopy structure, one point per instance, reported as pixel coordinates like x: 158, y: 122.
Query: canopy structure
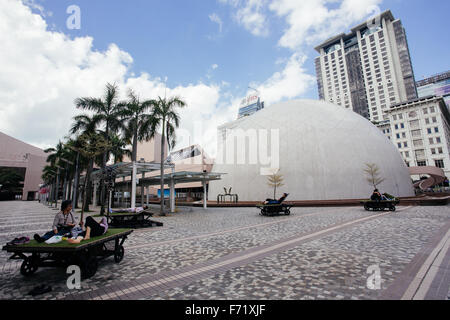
x: 123, y: 170
x: 173, y: 178
x: 127, y: 169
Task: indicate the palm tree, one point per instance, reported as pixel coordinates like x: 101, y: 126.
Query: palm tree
x: 55, y: 154
x: 139, y: 122
x: 119, y: 148
x: 164, y: 115
x: 92, y: 145
x: 85, y: 126
x: 108, y: 112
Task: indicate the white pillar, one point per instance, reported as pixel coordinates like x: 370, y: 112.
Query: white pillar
x: 148, y: 194
x: 133, y: 186
x: 172, y: 195
x: 142, y: 189
x: 205, y: 205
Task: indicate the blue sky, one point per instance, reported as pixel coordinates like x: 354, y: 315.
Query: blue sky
x: 209, y: 50
x: 178, y: 40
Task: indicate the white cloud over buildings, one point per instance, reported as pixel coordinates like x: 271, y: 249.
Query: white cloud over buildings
x: 44, y: 71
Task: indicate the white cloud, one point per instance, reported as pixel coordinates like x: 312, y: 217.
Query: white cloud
x: 214, y: 66
x: 291, y: 82
x: 215, y: 18
x: 311, y: 21
x: 44, y: 71
x: 250, y: 14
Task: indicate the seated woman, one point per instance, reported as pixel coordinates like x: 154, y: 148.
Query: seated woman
x: 62, y: 224
x: 129, y: 210
x: 93, y: 229
x: 279, y: 201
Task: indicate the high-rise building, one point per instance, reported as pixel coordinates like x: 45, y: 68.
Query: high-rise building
x: 368, y: 69
x: 437, y: 85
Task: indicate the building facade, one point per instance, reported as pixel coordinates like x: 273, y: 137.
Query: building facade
x: 25, y: 159
x: 368, y: 69
x: 250, y: 105
x: 437, y: 85
x: 420, y: 129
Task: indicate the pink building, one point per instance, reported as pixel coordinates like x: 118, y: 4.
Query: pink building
x: 25, y: 157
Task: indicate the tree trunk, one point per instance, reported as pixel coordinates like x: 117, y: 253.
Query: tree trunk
x: 78, y: 194
x: 87, y: 185
x: 69, y: 189
x: 275, y: 193
x: 135, y: 142
x: 162, y: 167
x: 102, y: 181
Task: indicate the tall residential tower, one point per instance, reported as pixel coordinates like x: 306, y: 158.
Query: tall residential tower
x: 367, y: 70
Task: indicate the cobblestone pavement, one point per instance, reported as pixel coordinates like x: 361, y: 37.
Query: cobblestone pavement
x: 331, y: 266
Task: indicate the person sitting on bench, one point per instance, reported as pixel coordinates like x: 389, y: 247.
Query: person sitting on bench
x: 93, y: 229
x: 62, y: 224
x: 279, y: 201
x: 130, y: 210
x: 376, y: 195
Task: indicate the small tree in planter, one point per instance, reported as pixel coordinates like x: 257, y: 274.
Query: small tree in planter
x: 373, y: 175
x: 275, y: 181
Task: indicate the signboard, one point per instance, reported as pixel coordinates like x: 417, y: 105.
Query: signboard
x: 252, y: 99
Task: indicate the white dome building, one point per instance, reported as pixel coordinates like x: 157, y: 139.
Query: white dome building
x: 323, y: 150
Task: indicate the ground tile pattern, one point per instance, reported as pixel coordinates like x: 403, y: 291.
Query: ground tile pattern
x: 334, y: 266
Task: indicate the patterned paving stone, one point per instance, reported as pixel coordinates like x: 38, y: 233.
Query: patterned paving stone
x: 331, y: 267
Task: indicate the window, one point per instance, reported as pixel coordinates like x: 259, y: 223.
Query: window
x: 427, y: 121
x: 416, y: 133
x: 400, y: 116
x: 432, y: 110
x: 436, y: 129
x: 420, y: 154
x: 405, y: 144
x: 398, y: 135
x: 407, y: 154
x: 440, y: 150
x: 399, y: 145
x: 429, y: 130
x: 431, y: 140
x: 433, y: 151
x: 418, y: 143
x: 434, y: 119
x: 425, y: 111
x: 438, y: 140
x: 439, y: 163
x: 421, y: 163
x: 402, y: 126
x: 396, y: 127
x: 404, y: 135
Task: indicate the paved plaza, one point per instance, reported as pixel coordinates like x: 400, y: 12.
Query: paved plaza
x: 234, y: 253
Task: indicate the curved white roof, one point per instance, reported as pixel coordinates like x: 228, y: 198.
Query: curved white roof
x: 323, y: 149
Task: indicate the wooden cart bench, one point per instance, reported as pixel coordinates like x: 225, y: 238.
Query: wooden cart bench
x: 380, y: 205
x: 63, y: 254
x: 132, y: 220
x: 275, y: 209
